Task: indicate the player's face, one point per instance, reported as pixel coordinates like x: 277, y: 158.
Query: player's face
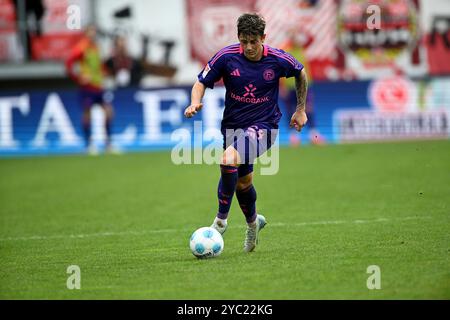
x: 252, y: 46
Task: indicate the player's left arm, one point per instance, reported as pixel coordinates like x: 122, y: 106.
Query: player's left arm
x: 299, y: 117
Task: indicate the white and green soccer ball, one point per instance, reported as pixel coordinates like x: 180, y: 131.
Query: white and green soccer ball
x: 206, y: 242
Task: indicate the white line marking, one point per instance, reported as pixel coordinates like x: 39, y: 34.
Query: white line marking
x: 140, y: 233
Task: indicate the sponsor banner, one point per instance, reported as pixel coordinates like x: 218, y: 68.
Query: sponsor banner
x: 391, y: 47
x: 59, y: 28
x: 372, y: 126
x: 336, y: 39
x: 55, y: 46
x: 49, y: 122
x: 399, y: 109
x: 212, y: 25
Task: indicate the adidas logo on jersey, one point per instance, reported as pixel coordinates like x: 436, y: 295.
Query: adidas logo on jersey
x: 236, y: 73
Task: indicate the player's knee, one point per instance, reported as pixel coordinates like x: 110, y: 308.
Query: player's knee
x: 230, y: 157
x: 244, y: 182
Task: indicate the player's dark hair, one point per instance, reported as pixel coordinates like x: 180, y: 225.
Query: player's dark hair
x: 251, y: 24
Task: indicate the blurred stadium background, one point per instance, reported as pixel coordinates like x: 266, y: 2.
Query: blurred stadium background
x: 368, y: 85
x: 390, y: 85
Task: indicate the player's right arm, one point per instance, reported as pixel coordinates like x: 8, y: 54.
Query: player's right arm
x: 198, y: 91
x: 206, y: 78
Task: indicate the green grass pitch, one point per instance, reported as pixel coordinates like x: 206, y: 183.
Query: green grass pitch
x: 126, y: 220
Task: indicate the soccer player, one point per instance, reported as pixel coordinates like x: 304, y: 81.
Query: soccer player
x: 90, y: 78
x: 251, y: 71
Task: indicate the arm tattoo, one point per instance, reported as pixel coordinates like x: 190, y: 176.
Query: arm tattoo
x: 301, y: 86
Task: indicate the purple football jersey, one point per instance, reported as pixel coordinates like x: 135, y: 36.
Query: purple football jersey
x: 251, y: 86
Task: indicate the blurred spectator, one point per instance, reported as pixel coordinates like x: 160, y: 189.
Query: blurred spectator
x: 295, y: 45
x: 90, y: 78
x: 126, y: 70
x: 33, y: 12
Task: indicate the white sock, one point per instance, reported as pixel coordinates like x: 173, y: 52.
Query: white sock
x: 220, y: 222
x: 252, y: 224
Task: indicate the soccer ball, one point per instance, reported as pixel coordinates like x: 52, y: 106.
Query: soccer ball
x: 206, y: 242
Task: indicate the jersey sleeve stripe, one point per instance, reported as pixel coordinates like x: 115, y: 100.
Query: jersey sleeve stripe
x: 221, y: 53
x: 283, y: 56
x: 233, y: 46
x: 286, y: 55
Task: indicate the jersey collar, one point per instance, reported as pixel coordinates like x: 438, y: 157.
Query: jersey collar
x: 265, y: 51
